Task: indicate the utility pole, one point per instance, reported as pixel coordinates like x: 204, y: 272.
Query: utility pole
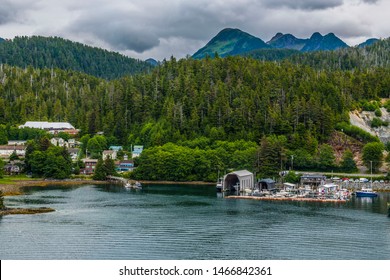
x: 371, y: 172
x: 292, y: 162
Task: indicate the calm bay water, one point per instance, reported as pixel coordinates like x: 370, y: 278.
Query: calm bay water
x: 189, y: 222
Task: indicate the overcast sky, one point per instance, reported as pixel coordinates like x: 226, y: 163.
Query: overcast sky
x: 161, y: 28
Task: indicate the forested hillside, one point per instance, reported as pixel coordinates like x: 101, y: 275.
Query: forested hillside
x: 42, y: 52
x: 286, y: 109
x: 233, y: 98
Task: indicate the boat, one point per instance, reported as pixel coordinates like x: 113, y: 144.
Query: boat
x: 366, y: 192
x: 219, y: 185
x: 137, y: 185
x: 128, y: 186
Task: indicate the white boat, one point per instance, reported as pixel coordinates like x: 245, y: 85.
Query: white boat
x: 219, y: 185
x: 128, y: 186
x: 137, y: 185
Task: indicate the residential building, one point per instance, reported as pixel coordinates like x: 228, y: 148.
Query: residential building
x: 90, y: 165
x: 17, y: 142
x: 7, y: 150
x: 14, y: 167
x: 59, y: 142
x: 115, y: 148
x: 110, y: 154
x: 125, y: 166
x: 137, y: 150
x: 74, y: 153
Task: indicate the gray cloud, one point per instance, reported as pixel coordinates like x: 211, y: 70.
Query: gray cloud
x: 120, y: 32
x: 371, y: 1
x: 140, y: 28
x: 305, y: 4
x: 7, y: 12
x: 144, y: 28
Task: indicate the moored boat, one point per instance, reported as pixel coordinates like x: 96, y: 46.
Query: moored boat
x: 219, y: 185
x: 137, y: 185
x: 366, y: 192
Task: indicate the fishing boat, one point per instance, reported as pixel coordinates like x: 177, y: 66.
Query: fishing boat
x: 366, y: 192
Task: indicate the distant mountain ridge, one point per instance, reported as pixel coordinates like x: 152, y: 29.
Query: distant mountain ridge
x: 231, y: 41
x: 368, y: 42
x: 49, y: 52
x: 329, y: 42
x: 287, y: 41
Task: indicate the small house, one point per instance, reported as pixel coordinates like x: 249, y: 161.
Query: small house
x: 137, y: 150
x: 110, y: 154
x: 90, y: 165
x: 125, y: 166
x: 266, y: 184
x: 6, y: 151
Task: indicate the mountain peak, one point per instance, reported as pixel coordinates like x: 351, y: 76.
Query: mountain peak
x: 230, y: 41
x: 317, y: 42
x: 286, y: 41
x: 276, y: 37
x: 316, y: 36
x: 368, y: 42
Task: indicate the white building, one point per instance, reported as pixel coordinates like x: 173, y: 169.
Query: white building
x: 52, y: 127
x: 238, y: 180
x: 6, y: 151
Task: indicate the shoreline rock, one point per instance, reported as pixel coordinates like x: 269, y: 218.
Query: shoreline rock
x: 25, y: 211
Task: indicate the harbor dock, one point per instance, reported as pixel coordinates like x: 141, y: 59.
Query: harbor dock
x: 273, y: 198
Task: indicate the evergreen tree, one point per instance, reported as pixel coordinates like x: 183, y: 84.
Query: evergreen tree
x: 348, y: 164
x: 100, y: 172
x: 326, y: 158
x: 109, y: 166
x: 373, y: 156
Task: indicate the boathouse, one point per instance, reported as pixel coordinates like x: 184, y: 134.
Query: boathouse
x: 313, y: 180
x: 238, y: 180
x: 266, y: 184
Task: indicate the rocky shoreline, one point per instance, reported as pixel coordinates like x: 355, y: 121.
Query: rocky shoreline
x: 25, y: 211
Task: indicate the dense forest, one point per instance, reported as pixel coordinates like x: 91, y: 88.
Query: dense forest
x: 54, y: 52
x: 292, y: 108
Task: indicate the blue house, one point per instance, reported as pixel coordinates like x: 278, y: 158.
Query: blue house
x: 125, y: 166
x: 116, y: 148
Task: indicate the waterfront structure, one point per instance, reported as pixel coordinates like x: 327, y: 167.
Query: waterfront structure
x: 313, y: 180
x: 238, y: 181
x: 266, y: 184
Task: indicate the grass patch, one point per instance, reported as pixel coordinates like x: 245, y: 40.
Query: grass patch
x: 7, y: 180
